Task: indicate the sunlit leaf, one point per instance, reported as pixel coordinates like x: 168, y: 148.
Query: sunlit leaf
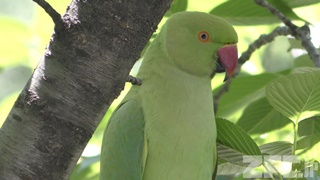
x: 296, y: 96
x: 309, y: 147
x: 230, y: 155
x: 309, y: 126
x: 231, y: 169
x: 247, y: 12
x: 307, y: 142
x: 260, y: 117
x: 234, y: 143
x: 277, y: 148
x: 304, y: 70
x: 240, y: 96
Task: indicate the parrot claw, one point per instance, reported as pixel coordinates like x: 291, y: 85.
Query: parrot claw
x: 134, y: 80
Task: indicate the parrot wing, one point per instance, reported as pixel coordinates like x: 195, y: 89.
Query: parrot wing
x: 124, y: 147
x: 214, y: 176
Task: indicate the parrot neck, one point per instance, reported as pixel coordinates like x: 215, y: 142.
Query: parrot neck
x: 157, y: 65
x: 164, y: 79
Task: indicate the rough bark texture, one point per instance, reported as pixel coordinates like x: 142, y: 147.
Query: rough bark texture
x: 82, y: 71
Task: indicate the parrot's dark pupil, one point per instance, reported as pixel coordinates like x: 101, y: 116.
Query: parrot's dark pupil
x: 203, y: 36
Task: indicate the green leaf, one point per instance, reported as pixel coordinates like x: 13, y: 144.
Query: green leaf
x: 227, y: 154
x: 308, y: 148
x: 177, y: 6
x: 296, y: 96
x: 304, y: 70
x: 277, y: 148
x: 234, y: 143
x: 260, y: 117
x: 231, y: 169
x: 309, y: 126
x: 247, y: 12
x: 303, y: 61
x: 308, y: 142
x: 242, y: 97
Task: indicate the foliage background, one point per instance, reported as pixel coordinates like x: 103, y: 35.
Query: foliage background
x: 25, y: 29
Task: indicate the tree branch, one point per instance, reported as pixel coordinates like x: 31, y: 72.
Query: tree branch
x: 55, y: 16
x: 76, y: 80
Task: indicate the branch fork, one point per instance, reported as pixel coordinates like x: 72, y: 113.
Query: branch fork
x: 55, y: 16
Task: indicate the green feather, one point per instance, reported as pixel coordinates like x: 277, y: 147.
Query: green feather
x: 165, y: 129
x: 124, y: 137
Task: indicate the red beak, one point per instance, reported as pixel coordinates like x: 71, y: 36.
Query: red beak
x: 228, y: 56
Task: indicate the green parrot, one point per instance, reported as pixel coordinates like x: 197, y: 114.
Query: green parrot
x: 165, y: 128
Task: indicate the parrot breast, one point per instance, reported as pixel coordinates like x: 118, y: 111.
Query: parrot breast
x: 180, y: 126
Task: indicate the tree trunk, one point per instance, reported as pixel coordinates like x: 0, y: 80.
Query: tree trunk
x: 83, y: 70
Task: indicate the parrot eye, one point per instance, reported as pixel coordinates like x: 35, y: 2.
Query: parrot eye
x: 203, y: 36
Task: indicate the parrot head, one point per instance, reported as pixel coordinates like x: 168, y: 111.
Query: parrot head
x: 201, y: 44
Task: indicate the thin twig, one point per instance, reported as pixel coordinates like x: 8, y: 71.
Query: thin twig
x: 134, y: 80
x: 302, y: 33
x: 55, y: 16
x: 262, y: 40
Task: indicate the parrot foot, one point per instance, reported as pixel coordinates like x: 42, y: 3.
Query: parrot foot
x: 134, y: 80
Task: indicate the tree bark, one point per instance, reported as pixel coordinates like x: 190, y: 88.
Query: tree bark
x: 83, y: 70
